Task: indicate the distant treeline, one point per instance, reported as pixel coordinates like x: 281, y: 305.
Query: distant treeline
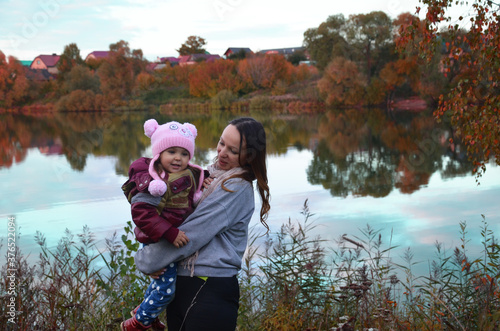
x: 356, y: 61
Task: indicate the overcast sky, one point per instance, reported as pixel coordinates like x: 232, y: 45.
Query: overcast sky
x: 29, y: 28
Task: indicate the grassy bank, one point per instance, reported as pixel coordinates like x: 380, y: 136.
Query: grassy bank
x: 291, y: 282
x: 295, y: 102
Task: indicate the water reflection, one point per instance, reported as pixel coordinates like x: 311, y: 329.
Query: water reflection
x: 370, y: 155
x: 358, y: 152
x: 392, y: 171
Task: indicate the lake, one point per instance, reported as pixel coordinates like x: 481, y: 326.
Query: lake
x: 396, y: 172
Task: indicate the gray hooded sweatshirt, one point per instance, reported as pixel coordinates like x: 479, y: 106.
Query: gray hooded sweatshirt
x: 217, y: 230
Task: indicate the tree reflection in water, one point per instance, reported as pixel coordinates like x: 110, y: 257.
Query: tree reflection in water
x: 355, y: 152
x: 366, y: 153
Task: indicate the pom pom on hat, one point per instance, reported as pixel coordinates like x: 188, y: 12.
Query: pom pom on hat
x: 150, y: 127
x: 157, y: 187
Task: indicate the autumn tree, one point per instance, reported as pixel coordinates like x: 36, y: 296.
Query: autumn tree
x: 370, y: 36
x: 118, y: 72
x: 264, y: 72
x: 145, y: 81
x: 256, y: 72
x: 398, y: 74
x: 472, y: 103
x: 327, y: 41
x: 342, y: 83
x: 81, y: 78
x: 193, y: 45
x: 365, y: 42
x: 13, y: 83
x: 69, y: 59
x: 209, y: 78
x: 175, y: 76
x: 412, y: 72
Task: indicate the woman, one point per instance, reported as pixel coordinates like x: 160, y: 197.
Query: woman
x: 207, y: 293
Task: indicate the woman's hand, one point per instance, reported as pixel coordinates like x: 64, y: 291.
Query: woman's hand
x: 181, y: 239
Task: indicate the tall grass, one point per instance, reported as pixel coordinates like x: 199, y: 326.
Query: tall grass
x: 296, y: 283
x: 74, y: 286
x: 292, y: 281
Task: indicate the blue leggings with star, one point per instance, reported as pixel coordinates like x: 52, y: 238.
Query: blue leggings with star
x: 158, y: 295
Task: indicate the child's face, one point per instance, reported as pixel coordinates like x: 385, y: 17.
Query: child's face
x: 174, y: 159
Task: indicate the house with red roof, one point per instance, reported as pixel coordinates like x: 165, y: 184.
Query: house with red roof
x: 155, y: 66
x: 170, y: 59
x: 194, y: 58
x: 283, y: 51
x: 185, y: 60
x: 97, y: 55
x: 48, y: 62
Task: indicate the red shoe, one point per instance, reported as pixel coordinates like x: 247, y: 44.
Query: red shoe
x: 157, y: 325
x: 132, y: 324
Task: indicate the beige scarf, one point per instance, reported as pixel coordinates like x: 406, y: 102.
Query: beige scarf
x: 218, y: 175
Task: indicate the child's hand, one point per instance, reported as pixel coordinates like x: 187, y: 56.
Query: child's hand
x: 157, y: 274
x: 207, y: 182
x: 181, y: 239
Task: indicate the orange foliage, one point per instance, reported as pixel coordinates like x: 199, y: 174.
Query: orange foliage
x: 175, y: 75
x: 392, y: 76
x: 343, y: 132
x: 303, y: 72
x: 144, y: 81
x: 209, y: 78
x: 282, y: 69
x: 261, y: 72
x: 342, y: 83
x: 256, y: 72
x: 472, y: 101
x: 15, y: 139
x: 395, y: 137
x: 409, y: 180
x: 13, y: 82
x: 118, y: 71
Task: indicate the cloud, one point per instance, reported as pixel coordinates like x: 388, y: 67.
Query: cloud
x: 30, y: 28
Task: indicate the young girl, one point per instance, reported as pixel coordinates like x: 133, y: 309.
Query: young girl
x: 162, y: 192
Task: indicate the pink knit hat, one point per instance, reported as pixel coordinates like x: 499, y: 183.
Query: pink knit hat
x: 171, y: 134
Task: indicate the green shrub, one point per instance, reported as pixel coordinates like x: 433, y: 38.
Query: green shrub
x: 261, y: 103
x: 77, y: 100
x: 223, y: 100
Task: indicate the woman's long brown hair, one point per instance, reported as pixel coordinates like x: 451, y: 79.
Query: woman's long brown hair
x: 253, y: 136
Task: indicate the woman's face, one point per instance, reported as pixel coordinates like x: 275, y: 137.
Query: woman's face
x: 228, y: 148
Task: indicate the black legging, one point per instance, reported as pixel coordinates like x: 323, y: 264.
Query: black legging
x: 215, y: 304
